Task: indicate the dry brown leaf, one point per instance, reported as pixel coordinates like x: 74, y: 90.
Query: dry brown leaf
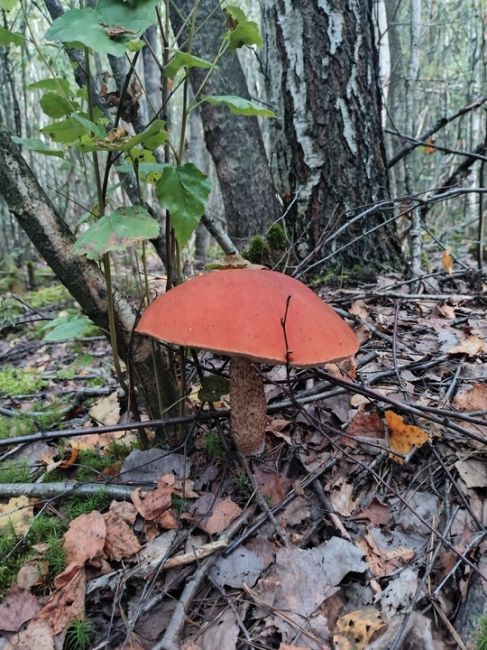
x: 403, y: 436
x: 341, y: 497
x: 32, y: 573
x: 381, y: 558
x: 213, y: 514
x: 366, y: 424
x: 18, y: 607
x: 473, y: 472
x: 19, y: 513
x: 473, y: 346
x: 445, y: 311
x: 286, y: 646
x: 472, y: 399
x: 125, y: 511
x: 131, y: 645
x: 271, y: 485
x: 150, y: 504
x: 38, y: 635
x: 120, y: 539
x: 356, y: 629
x: 66, y: 463
x: 376, y: 512
x: 68, y: 601
x: 85, y: 538
x: 168, y: 520
x: 359, y: 308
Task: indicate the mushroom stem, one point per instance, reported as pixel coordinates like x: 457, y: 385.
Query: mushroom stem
x: 248, y: 406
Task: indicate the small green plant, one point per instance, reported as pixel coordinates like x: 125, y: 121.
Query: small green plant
x: 258, y: 250
x: 79, y: 634
x: 55, y: 555
x: 43, y: 528
x: 179, y: 503
x: 213, y: 445
x: 90, y: 465
x: 54, y: 294
x: 481, y: 637
x: 14, y: 471
x: 15, y: 381
x: 82, y: 504
x: 241, y: 482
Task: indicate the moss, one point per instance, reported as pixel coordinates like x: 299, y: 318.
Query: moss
x: 82, y: 504
x: 258, y: 250
x: 79, y: 634
x: 54, y: 294
x: 16, y: 381
x: 481, y: 636
x: 276, y: 237
x: 14, y: 471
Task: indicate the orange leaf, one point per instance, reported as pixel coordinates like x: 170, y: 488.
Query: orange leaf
x: 447, y: 260
x: 403, y: 436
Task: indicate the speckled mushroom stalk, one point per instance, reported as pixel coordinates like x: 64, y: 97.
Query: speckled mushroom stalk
x: 248, y: 407
x: 252, y: 316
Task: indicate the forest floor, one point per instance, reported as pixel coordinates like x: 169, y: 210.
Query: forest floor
x: 363, y: 524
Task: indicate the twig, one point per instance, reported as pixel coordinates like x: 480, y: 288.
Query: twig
x: 61, y: 488
x: 171, y: 637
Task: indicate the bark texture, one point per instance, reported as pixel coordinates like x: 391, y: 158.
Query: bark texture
x: 248, y: 407
x: 52, y: 237
x: 322, y: 70
x: 235, y: 143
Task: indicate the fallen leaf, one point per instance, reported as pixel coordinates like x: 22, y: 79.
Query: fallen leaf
x: 381, y: 557
x: 376, y: 512
x: 85, y: 538
x: 359, y: 308
x: 366, y: 424
x: 447, y: 261
x: 286, y: 646
x: 242, y: 565
x: 472, y: 346
x: 472, y: 399
x: 149, y: 465
x: 403, y: 436
x: 32, y: 574
x: 66, y: 463
x: 213, y: 514
x: 18, y: 607
x: 473, y: 472
x: 125, y: 511
x: 18, y: 513
x: 302, y: 579
x: 120, y: 539
x: 152, y: 503
x: 106, y: 410
x: 271, y: 485
x: 356, y: 629
x: 341, y: 497
x: 38, y: 635
x: 67, y: 602
x: 221, y: 633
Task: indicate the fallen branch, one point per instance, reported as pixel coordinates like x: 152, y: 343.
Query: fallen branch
x: 63, y: 488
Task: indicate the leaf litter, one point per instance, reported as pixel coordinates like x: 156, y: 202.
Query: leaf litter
x: 365, y: 514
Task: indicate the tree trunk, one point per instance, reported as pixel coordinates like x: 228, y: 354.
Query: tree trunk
x: 52, y: 237
x: 235, y: 143
x: 322, y: 70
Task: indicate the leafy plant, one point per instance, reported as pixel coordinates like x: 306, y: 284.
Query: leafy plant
x: 79, y: 634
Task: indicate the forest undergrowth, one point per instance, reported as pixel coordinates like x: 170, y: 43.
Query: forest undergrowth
x: 361, y: 526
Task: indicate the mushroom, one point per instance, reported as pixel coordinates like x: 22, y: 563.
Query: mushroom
x: 252, y: 316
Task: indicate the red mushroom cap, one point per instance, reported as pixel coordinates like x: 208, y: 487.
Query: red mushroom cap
x: 240, y: 312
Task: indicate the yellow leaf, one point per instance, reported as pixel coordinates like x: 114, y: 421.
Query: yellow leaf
x: 355, y: 630
x: 19, y: 513
x: 403, y: 436
x: 447, y: 260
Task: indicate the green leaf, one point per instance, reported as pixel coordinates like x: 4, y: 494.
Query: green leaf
x: 151, y: 137
x: 10, y: 38
x: 55, y: 105
x: 184, y: 192
x: 241, y: 31
x: 185, y: 60
x: 90, y: 126
x: 114, y: 232
x: 7, y: 4
x: 55, y: 84
x: 238, y: 105
x: 66, y: 328
x: 136, y: 17
x: 83, y: 26
x: 34, y: 144
x: 67, y: 130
